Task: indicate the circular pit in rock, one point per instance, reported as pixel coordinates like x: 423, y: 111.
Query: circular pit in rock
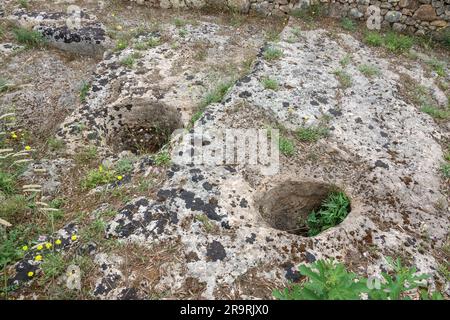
x: 142, y: 127
x: 288, y: 206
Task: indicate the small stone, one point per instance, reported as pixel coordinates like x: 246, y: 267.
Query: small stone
x: 425, y: 13
x: 393, y: 16
x: 439, y: 23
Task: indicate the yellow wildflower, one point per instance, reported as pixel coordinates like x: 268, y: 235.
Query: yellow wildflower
x: 119, y: 178
x: 25, y: 248
x: 40, y: 247
x: 100, y: 168
x: 28, y: 148
x: 58, y: 242
x: 30, y: 274
x: 13, y: 135
x: 74, y: 237
x: 48, y: 245
x: 38, y: 258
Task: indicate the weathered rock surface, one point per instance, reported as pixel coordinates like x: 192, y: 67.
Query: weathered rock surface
x: 381, y: 151
x: 79, y: 34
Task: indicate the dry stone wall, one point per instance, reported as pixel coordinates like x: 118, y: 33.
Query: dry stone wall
x: 414, y: 16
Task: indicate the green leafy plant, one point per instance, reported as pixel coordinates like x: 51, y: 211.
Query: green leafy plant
x: 326, y: 280
x: 85, y: 87
x: 402, y: 281
x: 333, y: 211
x: 121, y: 44
x: 286, y: 146
x: 97, y: 177
x: 124, y: 166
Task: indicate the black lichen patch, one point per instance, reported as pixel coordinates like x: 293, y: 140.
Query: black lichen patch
x: 215, y: 251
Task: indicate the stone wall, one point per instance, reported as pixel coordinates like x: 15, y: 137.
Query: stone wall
x: 413, y: 16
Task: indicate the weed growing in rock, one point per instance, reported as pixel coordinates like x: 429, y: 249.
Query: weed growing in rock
x: 128, y: 61
x: 30, y: 38
x: 286, y: 146
x: 345, y: 61
x: 55, y: 144
x: 348, y: 24
x: 272, y: 36
x: 85, y: 87
x: 7, y: 183
x: 183, y: 33
x: 4, y: 85
x: 310, y: 12
x: 344, y: 78
x: 86, y: 155
x: 311, y: 134
x: 23, y: 3
x: 373, y: 39
x: 214, y: 96
x: 121, y: 44
x: 333, y: 211
x: 437, y: 66
x: 445, y: 170
x: 98, y: 177
x: 52, y: 266
x: 328, y: 280
x: 162, y: 159
x: 436, y: 112
x: 392, y: 41
x: 124, y: 166
x: 178, y: 22
x: 369, y: 70
x: 397, y: 42
x: 272, y: 53
x: 270, y: 83
x: 147, y: 44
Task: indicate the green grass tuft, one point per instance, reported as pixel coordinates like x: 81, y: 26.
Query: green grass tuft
x: 286, y: 146
x: 344, y: 78
x: 369, y: 70
x: 272, y: 53
x: 86, y: 86
x: 348, y: 24
x: 30, y: 38
x: 269, y: 83
x: 311, y: 134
